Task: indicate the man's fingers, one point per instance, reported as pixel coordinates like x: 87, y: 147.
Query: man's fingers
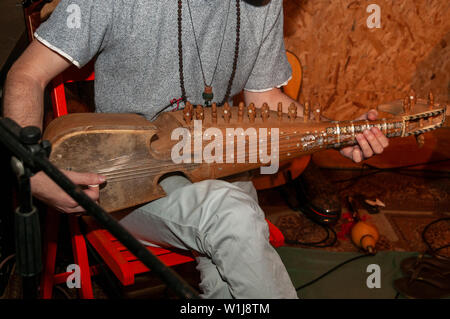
x: 384, y: 141
x: 69, y: 206
x: 72, y: 210
x: 376, y: 146
x: 86, y: 178
x: 371, y: 115
x: 357, y: 155
x: 364, y: 145
x: 370, y: 142
x: 347, y: 151
x: 93, y: 192
x: 352, y: 152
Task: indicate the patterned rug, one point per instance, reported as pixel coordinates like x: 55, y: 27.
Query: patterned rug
x: 412, y: 202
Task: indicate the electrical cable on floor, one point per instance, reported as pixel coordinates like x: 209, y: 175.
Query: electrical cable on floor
x: 367, y: 255
x: 331, y: 270
x: 319, y: 244
x: 378, y: 170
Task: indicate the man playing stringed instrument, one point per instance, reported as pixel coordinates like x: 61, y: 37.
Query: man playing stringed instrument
x: 149, y: 53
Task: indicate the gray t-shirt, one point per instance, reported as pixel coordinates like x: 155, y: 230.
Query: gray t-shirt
x: 135, y: 43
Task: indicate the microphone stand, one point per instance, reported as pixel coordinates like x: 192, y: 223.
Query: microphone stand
x: 26, y: 233
x: 31, y: 156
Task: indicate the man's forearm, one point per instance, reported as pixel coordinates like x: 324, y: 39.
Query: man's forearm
x: 26, y: 81
x: 23, y: 99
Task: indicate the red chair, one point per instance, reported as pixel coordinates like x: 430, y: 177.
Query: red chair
x: 121, y: 262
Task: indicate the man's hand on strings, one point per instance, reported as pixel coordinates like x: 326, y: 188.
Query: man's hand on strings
x: 370, y: 142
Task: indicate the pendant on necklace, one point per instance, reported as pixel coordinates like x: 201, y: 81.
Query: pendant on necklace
x: 208, y: 95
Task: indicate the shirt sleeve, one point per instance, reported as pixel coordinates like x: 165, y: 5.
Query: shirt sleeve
x: 77, y: 29
x: 271, y: 68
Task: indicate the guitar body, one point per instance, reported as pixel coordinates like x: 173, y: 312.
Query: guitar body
x: 134, y: 153
x: 118, y: 147
x: 131, y: 152
x: 89, y: 142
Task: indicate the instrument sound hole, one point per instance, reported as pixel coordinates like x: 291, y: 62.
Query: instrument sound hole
x: 177, y: 173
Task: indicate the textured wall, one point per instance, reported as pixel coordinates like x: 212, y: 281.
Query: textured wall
x: 349, y: 67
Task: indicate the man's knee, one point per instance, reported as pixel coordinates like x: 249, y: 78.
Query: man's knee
x: 236, y: 201
x: 237, y: 213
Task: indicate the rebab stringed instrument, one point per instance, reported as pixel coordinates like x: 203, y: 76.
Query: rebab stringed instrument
x: 207, y: 143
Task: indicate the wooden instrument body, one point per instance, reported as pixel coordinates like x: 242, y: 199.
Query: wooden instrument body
x: 134, y: 154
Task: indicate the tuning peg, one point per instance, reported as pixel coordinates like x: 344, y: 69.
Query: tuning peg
x: 241, y: 111
x: 251, y: 112
x: 265, y: 112
x: 306, y: 111
x: 430, y: 100
x: 412, y: 98
x: 292, y: 112
x: 280, y: 111
x: 406, y: 105
x: 226, y: 112
x: 187, y: 113
x: 199, y: 114
x: 214, y: 112
x: 317, y: 113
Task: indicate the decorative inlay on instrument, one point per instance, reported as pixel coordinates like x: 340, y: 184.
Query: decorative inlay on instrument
x: 207, y: 143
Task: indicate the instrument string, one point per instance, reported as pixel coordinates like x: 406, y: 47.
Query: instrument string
x: 286, y: 146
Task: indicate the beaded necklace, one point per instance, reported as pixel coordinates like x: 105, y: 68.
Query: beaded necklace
x: 208, y: 91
